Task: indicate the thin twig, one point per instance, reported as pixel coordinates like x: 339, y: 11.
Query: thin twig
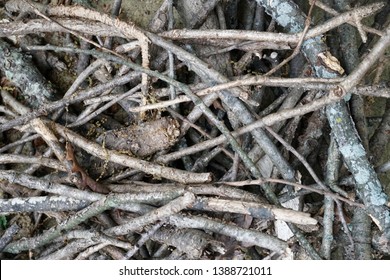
x: 333, y: 12
x: 280, y: 181
x: 299, y: 45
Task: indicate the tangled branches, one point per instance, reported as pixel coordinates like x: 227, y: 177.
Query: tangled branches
x: 216, y: 135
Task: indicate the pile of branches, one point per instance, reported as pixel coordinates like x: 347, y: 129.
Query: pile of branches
x: 239, y: 136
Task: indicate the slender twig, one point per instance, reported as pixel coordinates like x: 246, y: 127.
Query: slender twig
x: 144, y: 237
x: 299, y: 45
x: 64, y: 102
x: 299, y: 156
x: 344, y: 222
x: 79, y: 80
x: 161, y: 213
x: 44, y: 161
x: 129, y: 30
x: 49, y: 235
x: 280, y: 181
x: 331, y: 177
x: 194, y: 98
x: 94, y: 114
x: 268, y: 120
x: 333, y: 12
x: 94, y: 209
x: 268, y: 36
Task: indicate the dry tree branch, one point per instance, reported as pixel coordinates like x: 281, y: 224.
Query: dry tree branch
x: 142, y: 165
x: 297, y: 185
x: 243, y: 235
x: 360, y: 12
x: 87, y: 27
x: 337, y: 87
x: 9, y: 233
x: 50, y: 107
x: 256, y: 210
x: 51, y: 234
x: 144, y: 237
x: 161, y: 213
x: 44, y: 161
x: 41, y: 204
x: 333, y: 12
x: 297, y: 49
x: 268, y: 120
x: 97, y: 207
x: 331, y: 176
x: 129, y: 30
x: 368, y: 185
x: 197, y: 101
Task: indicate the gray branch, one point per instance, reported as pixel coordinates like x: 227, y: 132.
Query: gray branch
x: 368, y: 185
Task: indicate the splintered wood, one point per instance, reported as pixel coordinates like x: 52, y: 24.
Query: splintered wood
x: 144, y: 139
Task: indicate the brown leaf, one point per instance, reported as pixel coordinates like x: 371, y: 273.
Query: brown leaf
x: 86, y: 181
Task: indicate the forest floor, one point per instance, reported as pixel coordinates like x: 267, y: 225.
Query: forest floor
x: 163, y: 129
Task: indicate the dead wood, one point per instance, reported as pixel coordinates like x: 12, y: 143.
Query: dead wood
x: 217, y: 131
